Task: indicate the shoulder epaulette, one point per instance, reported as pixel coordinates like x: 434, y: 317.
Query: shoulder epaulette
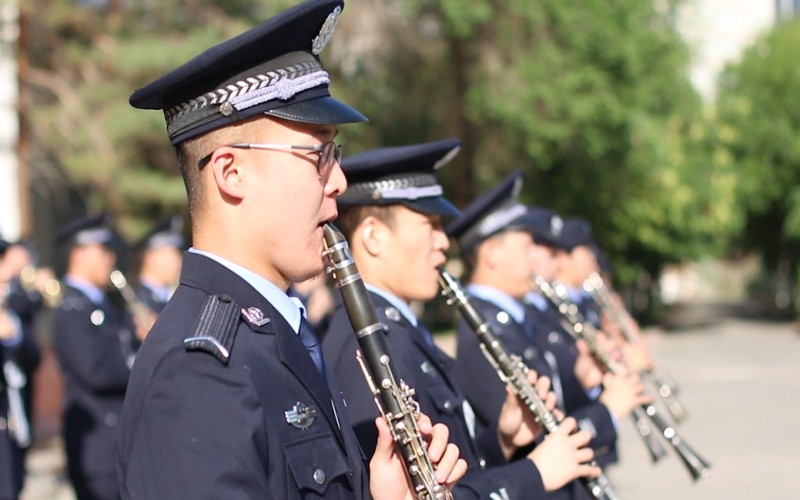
x: 216, y: 328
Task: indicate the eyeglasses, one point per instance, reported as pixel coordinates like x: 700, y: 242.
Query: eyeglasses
x: 329, y: 153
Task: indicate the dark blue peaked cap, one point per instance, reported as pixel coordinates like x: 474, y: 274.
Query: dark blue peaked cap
x: 166, y: 233
x: 546, y: 225
x: 272, y: 69
x: 497, y: 210
x: 87, y: 230
x: 576, y: 232
x: 403, y: 175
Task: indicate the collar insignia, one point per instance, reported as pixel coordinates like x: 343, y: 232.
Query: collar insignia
x: 255, y: 316
x: 326, y: 32
x: 392, y: 313
x: 301, y: 415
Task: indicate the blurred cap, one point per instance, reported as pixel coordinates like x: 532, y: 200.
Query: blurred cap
x: 546, y: 225
x: 87, y: 230
x: 167, y: 233
x: 272, y: 69
x: 576, y: 232
x: 404, y: 175
x: 495, y: 211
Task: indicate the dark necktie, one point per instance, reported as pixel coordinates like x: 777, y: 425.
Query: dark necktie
x: 311, y: 341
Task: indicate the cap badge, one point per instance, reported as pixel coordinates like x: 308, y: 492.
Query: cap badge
x: 326, y: 32
x: 556, y: 225
x: 255, y: 316
x: 301, y: 415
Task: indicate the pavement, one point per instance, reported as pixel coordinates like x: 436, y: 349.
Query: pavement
x: 738, y: 379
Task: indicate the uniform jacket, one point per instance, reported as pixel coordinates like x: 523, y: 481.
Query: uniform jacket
x: 11, y: 470
x: 91, y: 342
x: 195, y: 427
x: 149, y: 297
x: 431, y: 373
x: 550, y: 336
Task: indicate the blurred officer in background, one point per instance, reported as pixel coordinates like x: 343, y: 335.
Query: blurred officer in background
x: 496, y: 240
x: 392, y: 214
x: 161, y: 252
x: 12, y: 436
x: 230, y: 396
x: 29, y: 287
x: 95, y: 344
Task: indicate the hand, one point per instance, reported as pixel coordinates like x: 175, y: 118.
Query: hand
x: 622, y: 393
x: 143, y: 322
x: 586, y: 369
x: 517, y: 425
x: 563, y: 456
x: 388, y: 477
x: 637, y: 358
x: 8, y: 329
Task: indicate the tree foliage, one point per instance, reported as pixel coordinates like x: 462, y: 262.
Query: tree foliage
x: 590, y: 98
x: 759, y: 136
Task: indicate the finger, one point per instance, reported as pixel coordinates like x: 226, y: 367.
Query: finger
x: 580, y: 438
x: 568, y: 424
x: 586, y: 470
x: 532, y: 376
x: 457, y: 473
x: 448, y: 461
x: 584, y: 455
x: 543, y: 387
x: 550, y: 401
x: 424, y: 423
x: 439, y: 436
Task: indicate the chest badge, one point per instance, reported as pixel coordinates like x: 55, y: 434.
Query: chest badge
x: 255, y: 316
x: 301, y: 415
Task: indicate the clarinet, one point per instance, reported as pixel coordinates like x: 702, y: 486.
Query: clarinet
x: 513, y: 371
x: 601, y: 293
x: 696, y: 465
x: 393, y: 397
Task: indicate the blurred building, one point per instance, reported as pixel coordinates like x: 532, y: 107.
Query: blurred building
x: 719, y: 30
x: 10, y: 188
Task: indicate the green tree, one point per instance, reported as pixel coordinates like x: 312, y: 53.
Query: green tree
x: 759, y: 138
x: 590, y: 99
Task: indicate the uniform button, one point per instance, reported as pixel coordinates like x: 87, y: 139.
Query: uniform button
x: 530, y: 353
x: 111, y: 419
x: 224, y: 298
x: 552, y: 337
x: 482, y: 463
x: 448, y: 404
x: 319, y: 476
x: 97, y: 317
x: 503, y: 317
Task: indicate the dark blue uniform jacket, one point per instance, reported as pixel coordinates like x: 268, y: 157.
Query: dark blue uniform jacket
x: 431, y: 373
x: 194, y: 427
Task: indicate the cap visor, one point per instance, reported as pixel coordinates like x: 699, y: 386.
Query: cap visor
x: 320, y: 111
x: 434, y: 206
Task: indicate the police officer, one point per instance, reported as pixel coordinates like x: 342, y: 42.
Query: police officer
x: 11, y: 464
x: 392, y: 214
x: 580, y: 375
x: 29, y: 288
x: 161, y: 252
x: 94, y: 341
x: 495, y: 236
x: 230, y: 396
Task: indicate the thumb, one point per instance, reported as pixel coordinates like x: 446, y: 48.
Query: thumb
x: 385, y: 446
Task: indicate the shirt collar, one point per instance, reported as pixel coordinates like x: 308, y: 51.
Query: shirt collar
x: 162, y: 293
x: 401, y: 306
x: 288, y: 308
x: 536, y: 300
x: 501, y: 299
x: 95, y: 294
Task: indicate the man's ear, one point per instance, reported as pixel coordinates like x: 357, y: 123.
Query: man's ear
x: 373, y: 235
x: 225, y: 166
